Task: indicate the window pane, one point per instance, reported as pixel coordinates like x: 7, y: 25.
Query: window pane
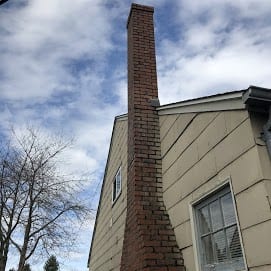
x: 204, y: 220
x: 216, y: 215
x: 234, y: 242
x: 220, y: 246
x: 114, y: 190
x: 117, y: 183
x: 208, y: 256
x: 228, y: 209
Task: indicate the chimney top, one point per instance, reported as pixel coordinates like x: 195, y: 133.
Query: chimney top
x: 138, y: 7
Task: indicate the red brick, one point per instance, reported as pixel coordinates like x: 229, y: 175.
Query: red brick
x: 149, y: 241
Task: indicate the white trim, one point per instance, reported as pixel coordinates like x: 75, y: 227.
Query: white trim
x: 238, y: 224
x: 194, y: 240
x: 113, y: 186
x: 194, y: 228
x: 193, y: 219
x: 212, y: 190
x: 231, y: 101
x: 122, y: 117
x: 208, y: 99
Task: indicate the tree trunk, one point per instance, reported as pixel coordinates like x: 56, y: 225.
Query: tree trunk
x: 3, y: 254
x: 24, y: 248
x: 3, y: 262
x: 23, y: 252
x: 21, y: 263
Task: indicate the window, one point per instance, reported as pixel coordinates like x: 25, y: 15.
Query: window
x: 217, y: 233
x: 116, y: 186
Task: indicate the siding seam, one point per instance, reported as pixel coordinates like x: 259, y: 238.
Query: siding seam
x: 211, y: 177
x: 180, y: 224
x: 169, y: 128
x: 204, y: 156
x: 103, y: 235
x: 189, y: 144
x: 186, y: 126
x: 251, y: 226
x: 200, y: 135
x: 243, y: 190
x: 262, y: 265
x: 163, y: 122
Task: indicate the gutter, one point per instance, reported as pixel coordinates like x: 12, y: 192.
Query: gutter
x: 258, y: 99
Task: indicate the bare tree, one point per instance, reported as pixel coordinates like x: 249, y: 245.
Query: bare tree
x: 3, y: 1
x: 39, y: 204
x: 11, y: 192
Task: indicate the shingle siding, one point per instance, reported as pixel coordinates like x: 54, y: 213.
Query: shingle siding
x: 213, y: 148
x: 109, y: 231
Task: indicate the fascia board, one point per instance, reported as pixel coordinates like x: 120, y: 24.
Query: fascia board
x: 231, y: 101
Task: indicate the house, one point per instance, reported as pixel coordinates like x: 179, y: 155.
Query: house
x: 187, y: 186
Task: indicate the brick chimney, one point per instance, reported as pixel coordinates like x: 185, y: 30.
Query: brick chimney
x: 149, y: 240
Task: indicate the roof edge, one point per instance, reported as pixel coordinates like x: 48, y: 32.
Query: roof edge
x: 224, y: 102
x: 204, y: 99
x: 249, y: 93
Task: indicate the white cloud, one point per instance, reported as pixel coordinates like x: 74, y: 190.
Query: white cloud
x: 215, y: 51
x: 43, y: 37
x: 63, y: 65
x: 246, y: 8
x: 53, y: 56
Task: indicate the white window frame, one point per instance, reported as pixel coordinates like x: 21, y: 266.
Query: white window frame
x: 192, y: 212
x: 116, y: 188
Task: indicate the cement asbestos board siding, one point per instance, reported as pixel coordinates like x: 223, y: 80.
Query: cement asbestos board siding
x: 175, y: 131
x: 179, y: 213
x: 257, y: 240
x: 108, y: 238
x: 264, y: 162
x: 174, y: 144
x: 189, y: 258
x: 165, y: 123
x: 184, y: 235
x: 181, y: 165
x: 199, y: 153
x: 253, y: 205
x: 257, y: 122
x: 261, y: 268
x: 234, y: 145
x: 268, y: 189
x: 244, y: 171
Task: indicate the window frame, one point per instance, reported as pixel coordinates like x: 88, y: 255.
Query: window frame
x: 204, y: 197
x: 116, y: 193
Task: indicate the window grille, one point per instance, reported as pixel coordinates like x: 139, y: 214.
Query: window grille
x: 116, y: 185
x: 217, y: 233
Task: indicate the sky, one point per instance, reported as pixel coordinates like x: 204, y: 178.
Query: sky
x: 63, y: 68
